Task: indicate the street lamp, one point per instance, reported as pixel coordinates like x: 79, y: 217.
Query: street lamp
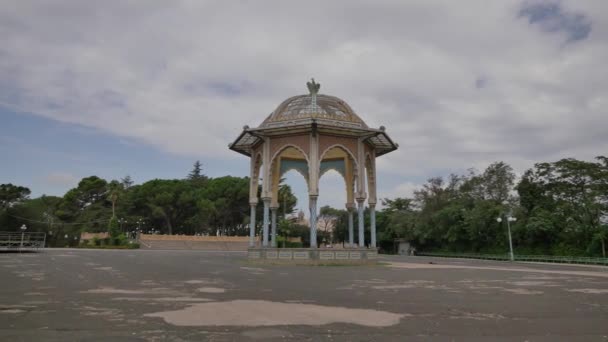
x: 140, y: 222
x: 122, y: 221
x: 23, y: 228
x: 509, y: 220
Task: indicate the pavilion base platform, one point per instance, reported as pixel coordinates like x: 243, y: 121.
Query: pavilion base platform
x: 313, y: 256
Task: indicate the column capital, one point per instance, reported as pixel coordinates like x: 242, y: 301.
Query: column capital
x: 350, y: 206
x: 266, y: 199
x: 272, y: 208
x: 360, y: 200
x: 253, y: 204
x: 372, y: 205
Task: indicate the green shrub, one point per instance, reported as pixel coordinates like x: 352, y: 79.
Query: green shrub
x: 114, y: 228
x: 119, y: 240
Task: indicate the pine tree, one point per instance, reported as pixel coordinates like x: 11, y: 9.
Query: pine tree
x: 126, y: 182
x: 196, y: 173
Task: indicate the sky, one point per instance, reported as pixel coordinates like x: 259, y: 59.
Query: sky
x: 146, y: 88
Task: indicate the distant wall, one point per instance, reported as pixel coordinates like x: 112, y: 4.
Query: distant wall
x: 211, y: 243
x: 90, y: 236
x: 153, y: 237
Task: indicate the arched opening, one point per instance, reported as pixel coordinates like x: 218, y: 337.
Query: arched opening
x: 287, y: 159
x: 332, y: 221
x: 288, y: 187
x: 337, y: 185
x: 293, y: 224
x: 341, y: 160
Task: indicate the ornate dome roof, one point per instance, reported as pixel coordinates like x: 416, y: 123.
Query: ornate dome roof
x: 315, y: 113
x: 323, y: 108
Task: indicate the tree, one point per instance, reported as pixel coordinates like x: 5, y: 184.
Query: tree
x: 196, y: 175
x: 126, y: 182
x: 11, y: 195
x: 230, y: 197
x: 498, y: 181
x: 170, y: 201
x: 566, y: 201
x: 38, y: 214
x: 87, y: 205
x: 90, y: 190
x: 328, y: 222
x: 398, y: 220
x: 114, y: 229
x: 115, y: 189
x: 287, y: 200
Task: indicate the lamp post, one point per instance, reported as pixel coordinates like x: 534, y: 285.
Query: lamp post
x: 122, y: 221
x: 23, y: 228
x: 509, y: 220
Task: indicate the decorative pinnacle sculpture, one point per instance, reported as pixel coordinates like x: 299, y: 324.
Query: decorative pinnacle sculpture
x: 313, y: 87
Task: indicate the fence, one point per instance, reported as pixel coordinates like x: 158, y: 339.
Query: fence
x: 17, y: 241
x: 525, y: 258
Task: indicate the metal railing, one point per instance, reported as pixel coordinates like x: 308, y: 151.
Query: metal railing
x: 525, y: 258
x: 17, y: 241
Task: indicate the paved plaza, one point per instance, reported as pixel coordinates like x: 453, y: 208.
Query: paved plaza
x: 152, y: 295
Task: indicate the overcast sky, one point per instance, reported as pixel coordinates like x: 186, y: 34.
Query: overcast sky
x: 147, y: 87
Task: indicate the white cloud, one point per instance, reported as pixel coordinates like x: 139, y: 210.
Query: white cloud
x: 457, y: 84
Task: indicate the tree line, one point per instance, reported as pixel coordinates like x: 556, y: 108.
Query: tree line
x: 561, y: 209
x: 196, y: 204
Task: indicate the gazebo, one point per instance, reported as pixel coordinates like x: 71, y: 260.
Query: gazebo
x: 313, y: 134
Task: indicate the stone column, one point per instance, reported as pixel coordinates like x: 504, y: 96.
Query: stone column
x: 252, y: 225
x: 360, y: 203
x: 273, y: 236
x: 312, y: 200
x: 266, y: 221
x: 372, y: 224
x: 351, y: 230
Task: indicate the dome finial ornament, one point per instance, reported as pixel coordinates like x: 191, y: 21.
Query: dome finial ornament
x: 313, y: 87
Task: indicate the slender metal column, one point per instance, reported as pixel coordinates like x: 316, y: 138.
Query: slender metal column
x: 361, y: 223
x: 351, y: 233
x: 511, y: 255
x: 313, y: 221
x: 252, y: 225
x: 273, y: 224
x: 372, y: 223
x: 266, y: 221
